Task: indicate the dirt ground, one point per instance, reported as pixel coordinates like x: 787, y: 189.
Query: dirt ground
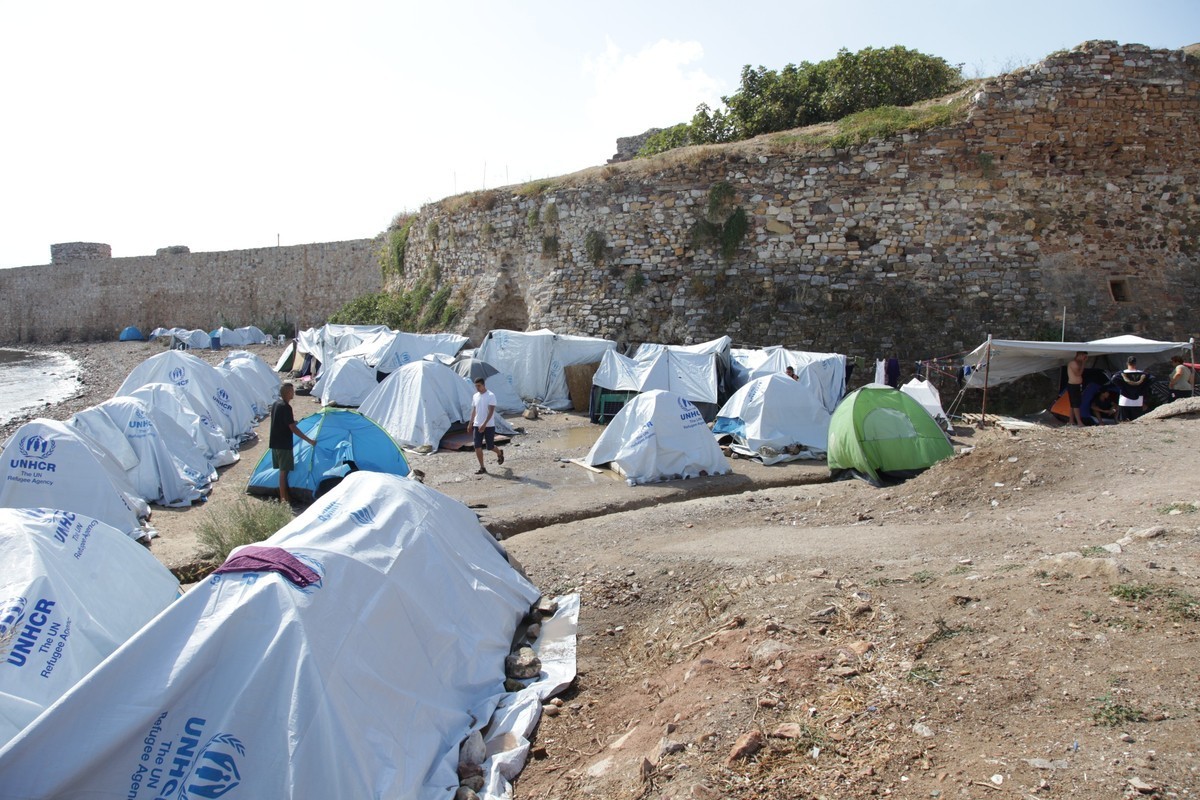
x: 1020, y: 621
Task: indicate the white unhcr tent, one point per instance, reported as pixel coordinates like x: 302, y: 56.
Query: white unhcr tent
x: 419, y: 403
x: 387, y: 352
x: 691, y: 375
x: 536, y: 359
x: 49, y: 464
x: 773, y: 415
x: 76, y: 584
x: 225, y: 404
x: 826, y: 371
x: 239, y: 337
x: 257, y: 374
x: 127, y: 430
x: 347, y: 382
x: 329, y: 341
x: 360, y: 680
x: 184, y: 338
x: 658, y: 436
x: 172, y: 402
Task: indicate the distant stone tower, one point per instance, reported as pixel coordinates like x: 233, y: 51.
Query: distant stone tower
x: 67, y: 252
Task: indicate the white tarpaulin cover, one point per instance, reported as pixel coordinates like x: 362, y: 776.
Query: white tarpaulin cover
x: 226, y: 407
x: 927, y: 395
x: 347, y: 382
x: 169, y: 400
x: 389, y: 351
x: 238, y: 337
x: 498, y: 383
x: 420, y: 402
x: 72, y: 591
x: 774, y: 412
x: 360, y: 685
x: 692, y: 375
x: 658, y: 436
x: 1011, y: 359
x: 49, y: 464
x: 536, y: 359
x: 828, y: 370
x: 127, y: 430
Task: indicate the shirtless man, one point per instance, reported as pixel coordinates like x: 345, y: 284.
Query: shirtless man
x: 1075, y: 386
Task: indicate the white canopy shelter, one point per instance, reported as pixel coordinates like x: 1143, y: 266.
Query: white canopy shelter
x: 999, y: 361
x: 74, y: 590
x: 387, y: 352
x: 358, y: 679
x: 925, y: 393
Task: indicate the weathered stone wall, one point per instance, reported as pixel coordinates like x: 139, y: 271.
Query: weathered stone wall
x: 95, y: 299
x: 78, y: 251
x: 1071, y: 183
x: 629, y: 146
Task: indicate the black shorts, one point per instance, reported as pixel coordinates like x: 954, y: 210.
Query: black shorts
x: 1074, y: 394
x: 485, y: 438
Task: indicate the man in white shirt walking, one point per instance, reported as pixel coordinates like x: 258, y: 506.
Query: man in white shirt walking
x: 483, y: 424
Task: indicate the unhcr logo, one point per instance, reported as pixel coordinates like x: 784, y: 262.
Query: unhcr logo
x: 36, y: 446
x: 690, y: 412
x: 222, y: 399
x: 363, y: 516
x: 215, y: 771
x: 179, y: 376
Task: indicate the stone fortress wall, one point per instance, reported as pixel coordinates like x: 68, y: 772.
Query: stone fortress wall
x: 85, y: 294
x: 1071, y: 183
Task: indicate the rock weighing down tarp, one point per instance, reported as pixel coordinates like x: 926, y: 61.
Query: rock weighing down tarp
x: 773, y: 413
x: 536, y: 361
x: 360, y: 685
x: 49, y: 464
x: 71, y: 592
x: 658, y: 436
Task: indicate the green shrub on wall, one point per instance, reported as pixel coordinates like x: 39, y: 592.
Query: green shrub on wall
x: 594, y: 244
x: 395, y: 243
x: 724, y: 225
x: 422, y: 308
x: 549, y: 246
x: 551, y: 214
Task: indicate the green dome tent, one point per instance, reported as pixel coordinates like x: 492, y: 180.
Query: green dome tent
x: 878, y: 433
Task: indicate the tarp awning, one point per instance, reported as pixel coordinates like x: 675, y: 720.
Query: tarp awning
x: 1009, y: 359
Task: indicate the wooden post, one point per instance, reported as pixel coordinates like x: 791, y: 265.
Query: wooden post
x: 987, y: 367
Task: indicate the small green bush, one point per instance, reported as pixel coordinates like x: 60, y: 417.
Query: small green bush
x: 635, y: 283
x: 431, y: 230
x: 549, y: 246
x: 533, y: 216
x: 421, y: 308
x: 734, y: 231
x: 391, y: 256
x: 246, y: 522
x: 594, y: 244
x: 551, y: 215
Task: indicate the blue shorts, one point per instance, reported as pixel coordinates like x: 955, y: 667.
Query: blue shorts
x: 485, y: 439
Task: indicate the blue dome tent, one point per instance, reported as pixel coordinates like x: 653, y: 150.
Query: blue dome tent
x: 342, y: 435
x: 132, y: 334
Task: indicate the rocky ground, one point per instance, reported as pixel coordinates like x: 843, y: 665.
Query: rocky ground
x: 1018, y: 622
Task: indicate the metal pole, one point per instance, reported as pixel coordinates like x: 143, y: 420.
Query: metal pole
x: 1063, y: 338
x: 987, y: 368
x: 1192, y: 348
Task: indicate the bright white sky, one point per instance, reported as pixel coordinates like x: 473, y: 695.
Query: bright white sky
x: 222, y: 125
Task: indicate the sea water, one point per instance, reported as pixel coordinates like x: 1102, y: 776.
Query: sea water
x: 28, y: 381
